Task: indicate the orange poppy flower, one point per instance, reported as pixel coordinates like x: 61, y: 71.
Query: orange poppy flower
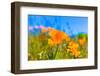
x: 52, y: 33
x: 58, y: 36
x: 66, y: 37
x: 74, y: 48
x: 50, y: 29
x: 82, y: 41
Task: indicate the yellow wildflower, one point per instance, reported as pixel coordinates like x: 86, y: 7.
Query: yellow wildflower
x: 50, y: 42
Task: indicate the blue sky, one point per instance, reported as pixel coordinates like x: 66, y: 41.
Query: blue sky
x: 69, y: 24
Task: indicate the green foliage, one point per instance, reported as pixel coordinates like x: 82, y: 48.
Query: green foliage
x: 39, y: 49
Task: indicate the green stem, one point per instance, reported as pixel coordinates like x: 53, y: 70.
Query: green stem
x: 55, y: 53
x: 50, y: 54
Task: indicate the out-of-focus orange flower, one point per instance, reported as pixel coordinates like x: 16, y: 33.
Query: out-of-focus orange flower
x: 53, y: 32
x: 56, y: 36
x: 73, y: 48
x: 73, y: 44
x: 44, y: 30
x: 66, y: 37
x: 76, y: 53
x: 50, y: 29
x: 82, y: 41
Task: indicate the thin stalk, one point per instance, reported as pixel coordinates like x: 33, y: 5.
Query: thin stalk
x: 55, y: 53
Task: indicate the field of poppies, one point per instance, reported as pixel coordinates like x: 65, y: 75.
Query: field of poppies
x: 47, y: 43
